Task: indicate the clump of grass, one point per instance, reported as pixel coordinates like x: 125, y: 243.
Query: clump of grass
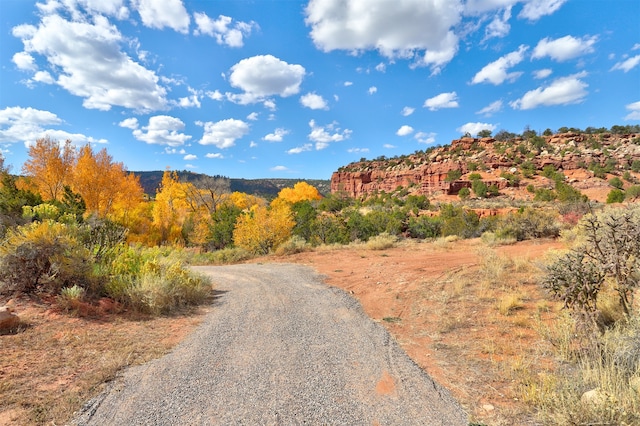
x: 509, y: 303
x: 293, y: 245
x: 381, y: 242
x: 70, y: 298
x: 494, y: 268
x: 222, y: 257
x: 492, y: 239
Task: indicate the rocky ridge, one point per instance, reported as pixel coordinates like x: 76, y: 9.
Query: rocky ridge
x: 428, y: 173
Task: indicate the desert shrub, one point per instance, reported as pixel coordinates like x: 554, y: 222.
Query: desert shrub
x: 453, y: 175
x: 330, y: 229
x: 153, y: 284
x: 609, y: 257
x: 492, y: 239
x: 615, y: 196
x: 568, y: 194
x: 458, y: 221
x: 293, y: 245
x: 528, y: 224
x: 464, y: 193
x: 71, y: 297
x: 633, y: 192
x: 43, y: 256
x: 635, y: 166
x: 382, y: 241
x: 544, y: 194
x: 479, y: 188
x: 424, y: 227
x: 222, y: 257
x: 616, y: 182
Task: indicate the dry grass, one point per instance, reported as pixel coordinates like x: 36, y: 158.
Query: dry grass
x: 56, y: 362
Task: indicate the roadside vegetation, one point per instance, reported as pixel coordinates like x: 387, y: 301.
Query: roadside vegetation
x: 78, y: 234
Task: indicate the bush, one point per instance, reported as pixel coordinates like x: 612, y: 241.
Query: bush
x: 615, y: 196
x: 424, y: 227
x: 43, y: 256
x: 382, y: 242
x: 528, y: 224
x: 616, y: 182
x: 293, y: 245
x: 464, y: 193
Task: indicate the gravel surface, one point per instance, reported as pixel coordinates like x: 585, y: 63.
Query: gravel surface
x: 279, y: 348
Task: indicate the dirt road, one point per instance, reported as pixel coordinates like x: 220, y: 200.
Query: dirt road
x: 280, y: 347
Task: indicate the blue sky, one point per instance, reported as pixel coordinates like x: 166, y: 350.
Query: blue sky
x: 296, y: 89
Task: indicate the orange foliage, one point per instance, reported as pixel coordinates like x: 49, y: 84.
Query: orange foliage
x: 170, y: 209
x: 50, y: 166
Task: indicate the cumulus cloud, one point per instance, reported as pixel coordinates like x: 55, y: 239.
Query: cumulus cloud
x: 562, y: 91
x: 381, y: 67
x: 161, y: 130
x: 129, y: 123
x: 26, y: 125
x: 541, y: 74
x: 224, y: 133
x: 635, y: 111
x: 491, y: 109
x: 190, y: 157
x: 348, y: 83
x: 443, y: 100
x: 86, y: 60
x: 474, y: 128
x: 388, y: 146
x: 496, y: 72
x: 323, y: 135
x: 216, y: 95
x: 404, y: 130
x: 253, y: 116
x: 300, y: 149
x: 163, y: 14
x: 279, y: 169
x: 190, y: 101
x: 564, y: 48
x: 358, y: 150
x: 215, y: 155
x: 223, y: 29
x: 411, y: 29
x: 372, y: 90
x: 24, y: 61
x: 313, y: 101
x: 263, y: 76
x: 276, y: 136
x: 499, y: 26
x: 536, y: 9
x: 426, y: 138
x: 407, y: 111
x: 628, y: 64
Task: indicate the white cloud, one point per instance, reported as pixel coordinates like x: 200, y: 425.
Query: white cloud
x: 276, y: 136
x: 323, y: 135
x: 474, y: 128
x: 389, y: 146
x: 172, y: 151
x: 491, y: 109
x: 636, y: 46
x: 443, y: 100
x: 536, y: 9
x: 381, y: 67
x: 215, y: 155
x: 562, y: 91
x: 224, y: 133
x: 190, y: 101
x: 263, y: 76
x: 412, y: 29
x: 129, y: 123
x: 358, y: 150
x: 270, y: 105
x: 279, y: 169
x: 404, y: 130
x: 372, y: 90
x: 426, y: 138
x: 215, y: 95
x: 252, y: 144
x: 161, y: 130
x: 407, y: 111
x: 253, y: 116
x: 300, y: 149
x: 564, y: 48
x: 43, y: 77
x: 163, y: 14
x: 348, y: 83
x: 190, y: 157
x: 313, y: 101
x: 542, y: 74
x: 635, y: 111
x: 87, y: 62
x: 190, y: 166
x: 24, y: 61
x: 628, y: 64
x: 26, y: 125
x: 223, y: 29
x: 496, y: 72
x: 499, y: 27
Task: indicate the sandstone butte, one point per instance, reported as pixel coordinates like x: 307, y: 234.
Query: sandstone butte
x: 426, y: 173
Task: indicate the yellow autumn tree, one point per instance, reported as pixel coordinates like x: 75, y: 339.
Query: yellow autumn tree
x: 50, y: 167
x: 170, y: 210
x: 245, y: 201
x: 105, y: 186
x: 262, y: 229
x: 301, y: 191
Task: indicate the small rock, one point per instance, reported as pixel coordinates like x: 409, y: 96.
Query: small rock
x: 488, y: 407
x: 594, y: 397
x: 8, y: 320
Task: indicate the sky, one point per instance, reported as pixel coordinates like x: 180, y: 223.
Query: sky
x: 296, y: 89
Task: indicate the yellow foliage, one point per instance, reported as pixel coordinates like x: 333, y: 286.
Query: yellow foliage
x: 301, y: 191
x: 262, y: 229
x: 170, y: 209
x: 50, y: 165
x: 245, y: 201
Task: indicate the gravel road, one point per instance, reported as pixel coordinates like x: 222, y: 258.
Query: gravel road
x: 279, y: 348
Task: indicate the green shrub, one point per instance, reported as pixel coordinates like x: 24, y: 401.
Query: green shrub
x: 479, y: 188
x: 293, y: 245
x: 616, y: 182
x: 382, y: 241
x: 633, y: 192
x: 453, y: 175
x: 43, y: 256
x: 464, y: 193
x: 528, y: 224
x: 615, y: 196
x: 424, y: 227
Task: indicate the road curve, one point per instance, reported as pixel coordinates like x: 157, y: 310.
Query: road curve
x: 279, y: 348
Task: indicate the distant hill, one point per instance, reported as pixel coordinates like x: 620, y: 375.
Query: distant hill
x: 267, y: 188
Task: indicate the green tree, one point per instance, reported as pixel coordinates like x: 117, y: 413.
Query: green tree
x: 464, y: 193
x: 453, y: 175
x: 223, y: 221
x: 479, y: 188
x: 616, y: 182
x: 484, y: 133
x: 615, y: 196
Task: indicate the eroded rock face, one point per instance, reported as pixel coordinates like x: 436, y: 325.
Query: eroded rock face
x: 426, y: 173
